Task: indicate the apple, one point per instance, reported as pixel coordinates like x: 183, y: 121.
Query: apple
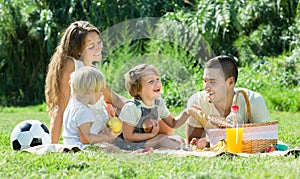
x: 147, y: 125
x: 115, y: 124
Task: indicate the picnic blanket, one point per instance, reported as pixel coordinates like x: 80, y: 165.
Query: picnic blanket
x: 42, y: 149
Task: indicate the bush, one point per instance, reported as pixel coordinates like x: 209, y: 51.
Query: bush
x: 263, y: 35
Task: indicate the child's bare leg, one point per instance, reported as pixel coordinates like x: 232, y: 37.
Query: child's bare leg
x: 171, y: 142
x: 155, y: 141
x: 177, y: 138
x: 163, y: 141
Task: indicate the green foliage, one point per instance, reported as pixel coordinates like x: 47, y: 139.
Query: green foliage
x: 277, y: 79
x: 30, y: 31
x: 263, y: 35
x: 23, y: 59
x: 244, y: 28
x: 267, y: 29
x: 215, y: 20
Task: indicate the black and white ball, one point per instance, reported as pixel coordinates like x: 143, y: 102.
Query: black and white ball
x: 29, y: 133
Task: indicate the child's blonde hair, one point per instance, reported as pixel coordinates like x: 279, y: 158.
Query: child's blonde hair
x: 86, y: 80
x: 133, y: 78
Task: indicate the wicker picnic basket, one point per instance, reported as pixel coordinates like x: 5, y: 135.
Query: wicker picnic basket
x: 259, y: 137
x: 256, y: 137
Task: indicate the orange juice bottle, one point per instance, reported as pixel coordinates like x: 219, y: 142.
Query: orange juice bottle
x: 234, y: 131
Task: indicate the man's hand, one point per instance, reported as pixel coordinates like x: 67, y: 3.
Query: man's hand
x: 200, y: 143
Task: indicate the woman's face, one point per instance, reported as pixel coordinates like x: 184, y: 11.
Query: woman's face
x: 92, y: 48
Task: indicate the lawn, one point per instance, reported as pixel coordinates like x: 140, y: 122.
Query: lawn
x: 16, y: 164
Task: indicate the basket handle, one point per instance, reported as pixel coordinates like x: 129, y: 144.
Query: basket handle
x: 247, y: 103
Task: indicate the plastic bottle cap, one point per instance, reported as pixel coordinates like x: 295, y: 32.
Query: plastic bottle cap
x: 234, y: 107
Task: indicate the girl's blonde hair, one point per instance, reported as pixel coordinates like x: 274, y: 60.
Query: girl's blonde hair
x: 85, y: 81
x: 133, y: 78
x: 71, y: 44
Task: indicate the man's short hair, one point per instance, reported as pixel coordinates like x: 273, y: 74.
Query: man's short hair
x: 228, y: 65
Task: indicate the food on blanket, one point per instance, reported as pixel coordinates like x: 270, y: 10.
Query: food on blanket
x: 147, y: 125
x: 219, y: 147
x: 270, y: 149
x: 29, y: 133
x: 115, y: 124
x: 208, y: 121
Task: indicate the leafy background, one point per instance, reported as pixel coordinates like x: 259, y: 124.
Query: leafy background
x: 262, y: 35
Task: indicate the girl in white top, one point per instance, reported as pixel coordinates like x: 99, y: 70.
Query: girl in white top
x: 81, y: 125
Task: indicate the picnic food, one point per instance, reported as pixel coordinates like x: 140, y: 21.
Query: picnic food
x: 208, y: 121
x: 115, y: 124
x: 219, y: 147
x: 147, y: 125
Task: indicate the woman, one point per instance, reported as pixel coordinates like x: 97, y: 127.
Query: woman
x: 79, y: 46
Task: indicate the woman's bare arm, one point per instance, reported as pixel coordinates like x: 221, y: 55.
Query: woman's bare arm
x: 63, y: 99
x: 111, y: 97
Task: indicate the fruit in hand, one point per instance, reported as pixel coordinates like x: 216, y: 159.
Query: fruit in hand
x: 115, y: 124
x: 147, y: 125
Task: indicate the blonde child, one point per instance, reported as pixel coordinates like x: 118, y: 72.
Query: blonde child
x: 81, y: 125
x: 144, y: 85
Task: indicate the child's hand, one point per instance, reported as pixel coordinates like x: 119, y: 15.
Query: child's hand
x: 155, y: 125
x: 111, y: 135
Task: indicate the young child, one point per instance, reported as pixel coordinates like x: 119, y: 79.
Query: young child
x: 81, y: 125
x: 144, y: 85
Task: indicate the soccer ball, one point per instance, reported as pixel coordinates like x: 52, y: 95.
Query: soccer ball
x: 29, y: 133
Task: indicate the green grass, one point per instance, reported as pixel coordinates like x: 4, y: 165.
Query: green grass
x: 16, y: 164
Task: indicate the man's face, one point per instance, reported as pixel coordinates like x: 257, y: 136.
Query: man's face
x: 215, y: 85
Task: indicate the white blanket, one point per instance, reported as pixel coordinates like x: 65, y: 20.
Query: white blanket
x: 42, y: 149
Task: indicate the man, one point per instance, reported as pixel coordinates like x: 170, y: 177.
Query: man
x: 219, y: 79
